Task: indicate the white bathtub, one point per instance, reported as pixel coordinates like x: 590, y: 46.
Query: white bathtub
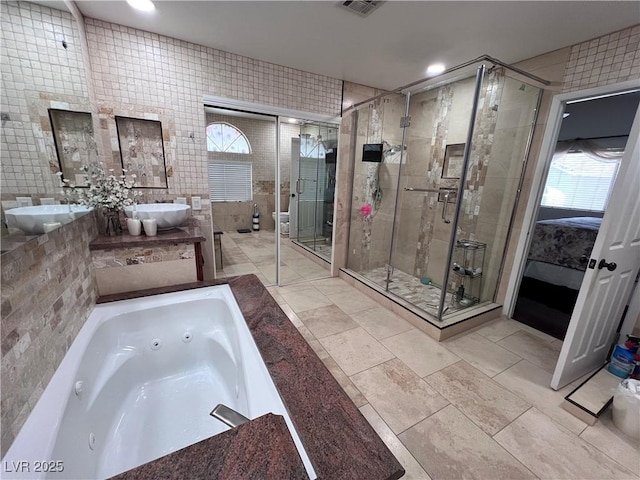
x: 151, y: 369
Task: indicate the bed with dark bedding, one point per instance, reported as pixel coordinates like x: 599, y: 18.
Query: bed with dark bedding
x: 558, y: 257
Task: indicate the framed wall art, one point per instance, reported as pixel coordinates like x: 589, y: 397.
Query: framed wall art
x: 142, y: 151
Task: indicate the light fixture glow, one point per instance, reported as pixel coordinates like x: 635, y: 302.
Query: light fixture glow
x: 142, y: 5
x: 435, y: 69
x: 292, y: 120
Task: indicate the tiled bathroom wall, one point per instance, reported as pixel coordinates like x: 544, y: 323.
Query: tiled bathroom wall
x: 42, y: 67
x: 48, y: 291
x: 608, y: 59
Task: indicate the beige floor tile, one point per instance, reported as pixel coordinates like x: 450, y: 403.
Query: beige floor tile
x: 352, y: 302
x: 551, y: 452
x: 413, y: 470
x: 533, y: 348
x: 483, y: 354
x: 347, y: 385
x: 355, y: 350
x: 419, y: 352
x: 606, y: 437
x: 543, y: 336
x: 486, y: 403
x: 325, y: 321
x: 531, y: 383
x: 597, y: 391
x: 381, y: 323
x: 449, y: 446
x: 305, y: 299
x: 332, y: 286
x: 400, y: 396
x: 499, y: 329
x: 240, y: 269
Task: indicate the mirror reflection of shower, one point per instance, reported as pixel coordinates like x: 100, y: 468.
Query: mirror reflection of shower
x: 314, y: 177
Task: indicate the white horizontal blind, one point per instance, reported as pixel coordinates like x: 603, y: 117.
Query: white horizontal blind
x: 230, y: 181
x: 579, y: 182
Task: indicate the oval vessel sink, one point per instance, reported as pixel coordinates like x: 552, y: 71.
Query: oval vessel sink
x: 167, y: 215
x: 31, y: 220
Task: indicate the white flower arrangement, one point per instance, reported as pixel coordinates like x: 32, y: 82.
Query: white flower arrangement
x: 102, y: 190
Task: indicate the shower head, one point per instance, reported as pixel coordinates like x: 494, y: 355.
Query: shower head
x: 393, y: 149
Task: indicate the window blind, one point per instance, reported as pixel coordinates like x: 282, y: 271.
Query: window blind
x: 579, y: 182
x: 230, y: 181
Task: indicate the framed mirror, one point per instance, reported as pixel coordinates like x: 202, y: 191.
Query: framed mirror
x: 74, y: 143
x: 142, y: 151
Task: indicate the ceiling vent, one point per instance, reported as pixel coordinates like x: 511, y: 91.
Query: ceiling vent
x: 361, y: 7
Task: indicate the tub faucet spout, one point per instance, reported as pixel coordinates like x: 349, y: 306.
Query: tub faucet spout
x: 228, y: 416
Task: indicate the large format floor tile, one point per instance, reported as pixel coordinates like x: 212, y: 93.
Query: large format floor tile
x: 449, y: 446
x: 545, y: 448
x: 400, y: 397
x: 483, y: 354
x: 486, y: 403
x: 352, y: 302
x: 413, y: 470
x: 531, y: 383
x: 607, y: 438
x: 355, y: 350
x: 533, y: 348
x: 381, y: 323
x: 332, y: 286
x: 325, y: 321
x: 499, y: 329
x: 306, y: 299
x: 420, y: 352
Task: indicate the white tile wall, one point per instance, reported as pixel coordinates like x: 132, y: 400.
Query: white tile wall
x: 605, y: 60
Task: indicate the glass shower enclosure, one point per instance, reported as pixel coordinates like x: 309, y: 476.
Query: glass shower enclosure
x: 432, y: 213
x: 313, y: 181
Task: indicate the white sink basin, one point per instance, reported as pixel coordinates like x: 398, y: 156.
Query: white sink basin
x: 167, y: 215
x: 31, y: 220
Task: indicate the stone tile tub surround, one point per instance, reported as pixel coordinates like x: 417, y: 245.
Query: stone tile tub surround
x: 337, y: 438
x: 48, y: 290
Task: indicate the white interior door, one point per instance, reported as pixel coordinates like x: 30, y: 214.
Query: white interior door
x: 606, y: 288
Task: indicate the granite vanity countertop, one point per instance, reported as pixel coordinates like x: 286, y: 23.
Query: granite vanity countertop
x: 164, y: 237
x: 338, y: 439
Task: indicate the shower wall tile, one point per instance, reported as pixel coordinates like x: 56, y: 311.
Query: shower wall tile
x: 48, y: 291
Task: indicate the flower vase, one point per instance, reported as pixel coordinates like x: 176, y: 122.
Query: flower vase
x: 111, y: 222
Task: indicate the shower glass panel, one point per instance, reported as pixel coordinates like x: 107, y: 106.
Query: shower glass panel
x: 375, y: 185
x: 428, y: 191
x: 504, y: 124
x: 315, y: 188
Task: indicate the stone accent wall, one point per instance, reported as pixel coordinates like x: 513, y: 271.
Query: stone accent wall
x: 123, y: 257
x: 48, y: 291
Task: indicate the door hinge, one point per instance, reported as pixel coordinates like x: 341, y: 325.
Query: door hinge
x: 405, y: 121
x: 592, y: 263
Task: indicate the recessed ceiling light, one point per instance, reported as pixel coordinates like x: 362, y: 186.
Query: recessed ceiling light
x: 142, y: 5
x: 435, y: 69
x: 292, y: 120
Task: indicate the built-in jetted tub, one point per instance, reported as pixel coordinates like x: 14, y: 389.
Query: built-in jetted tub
x: 139, y: 382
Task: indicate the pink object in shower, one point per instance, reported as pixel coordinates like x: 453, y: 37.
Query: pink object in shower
x: 365, y: 210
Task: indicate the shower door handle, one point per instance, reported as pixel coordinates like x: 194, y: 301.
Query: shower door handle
x: 298, y: 184
x: 444, y: 208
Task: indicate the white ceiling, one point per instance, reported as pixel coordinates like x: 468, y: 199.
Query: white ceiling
x: 391, y: 47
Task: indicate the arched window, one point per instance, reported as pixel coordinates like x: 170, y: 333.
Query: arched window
x: 224, y: 137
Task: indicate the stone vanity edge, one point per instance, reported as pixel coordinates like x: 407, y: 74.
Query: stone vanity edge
x: 339, y: 441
